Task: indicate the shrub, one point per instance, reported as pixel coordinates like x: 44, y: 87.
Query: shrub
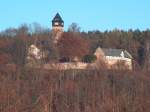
x: 89, y: 58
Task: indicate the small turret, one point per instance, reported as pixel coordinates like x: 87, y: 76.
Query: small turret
x: 57, y: 23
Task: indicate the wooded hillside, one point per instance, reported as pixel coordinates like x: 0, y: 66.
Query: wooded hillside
x: 36, y: 90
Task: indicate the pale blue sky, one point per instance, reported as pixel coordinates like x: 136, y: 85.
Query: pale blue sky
x: 89, y: 14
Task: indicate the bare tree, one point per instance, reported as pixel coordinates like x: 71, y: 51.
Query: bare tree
x: 147, y: 57
x: 73, y: 45
x: 74, y: 28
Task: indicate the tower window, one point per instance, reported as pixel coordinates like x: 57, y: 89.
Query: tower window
x: 56, y: 23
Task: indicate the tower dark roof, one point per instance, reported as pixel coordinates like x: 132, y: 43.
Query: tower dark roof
x: 57, y: 18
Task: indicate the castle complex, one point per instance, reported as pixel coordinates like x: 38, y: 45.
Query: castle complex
x: 109, y: 56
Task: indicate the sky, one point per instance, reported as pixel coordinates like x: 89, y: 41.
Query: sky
x: 88, y: 14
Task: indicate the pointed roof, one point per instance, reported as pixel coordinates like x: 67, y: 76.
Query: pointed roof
x: 57, y: 18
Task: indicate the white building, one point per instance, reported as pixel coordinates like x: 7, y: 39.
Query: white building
x: 114, y: 57
x: 35, y: 53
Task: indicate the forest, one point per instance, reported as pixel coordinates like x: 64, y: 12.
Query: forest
x: 24, y: 89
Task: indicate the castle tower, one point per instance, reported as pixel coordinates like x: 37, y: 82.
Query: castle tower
x: 57, y: 27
